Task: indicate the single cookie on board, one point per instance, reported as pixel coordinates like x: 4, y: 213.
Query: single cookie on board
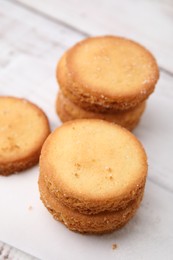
x: 23, y: 129
x: 97, y: 224
x: 92, y: 165
x: 67, y: 110
x: 107, y: 73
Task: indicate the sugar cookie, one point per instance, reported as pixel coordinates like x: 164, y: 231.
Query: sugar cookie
x: 23, y: 129
x: 92, y: 166
x: 107, y: 73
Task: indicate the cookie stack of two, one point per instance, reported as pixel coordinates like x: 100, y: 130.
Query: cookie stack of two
x: 92, y: 175
x: 106, y: 77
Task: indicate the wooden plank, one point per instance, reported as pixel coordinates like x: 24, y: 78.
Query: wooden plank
x: 31, y: 48
x: 10, y: 253
x: 28, y: 56
x: 148, y: 22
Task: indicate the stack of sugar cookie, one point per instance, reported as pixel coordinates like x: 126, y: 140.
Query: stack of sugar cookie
x: 106, y: 77
x: 92, y: 175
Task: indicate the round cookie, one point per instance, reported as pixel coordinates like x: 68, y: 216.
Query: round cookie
x: 67, y: 110
x: 24, y: 127
x: 107, y: 73
x: 92, y: 165
x: 97, y: 224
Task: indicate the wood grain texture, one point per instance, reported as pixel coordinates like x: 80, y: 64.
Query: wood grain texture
x: 10, y: 253
x: 31, y: 48
x: 32, y: 40
x: 149, y: 22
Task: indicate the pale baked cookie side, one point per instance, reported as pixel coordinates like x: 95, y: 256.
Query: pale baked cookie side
x: 67, y: 110
x: 97, y: 224
x: 24, y: 128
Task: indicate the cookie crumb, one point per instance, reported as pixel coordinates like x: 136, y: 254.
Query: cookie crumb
x: 78, y: 166
x: 110, y: 177
x: 30, y: 208
x: 108, y: 169
x: 114, y: 246
x: 76, y: 174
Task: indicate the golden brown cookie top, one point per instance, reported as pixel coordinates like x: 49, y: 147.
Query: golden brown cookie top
x: 113, y: 67
x: 91, y: 163
x: 23, y: 129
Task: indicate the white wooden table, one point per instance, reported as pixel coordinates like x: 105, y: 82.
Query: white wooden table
x: 33, y: 35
